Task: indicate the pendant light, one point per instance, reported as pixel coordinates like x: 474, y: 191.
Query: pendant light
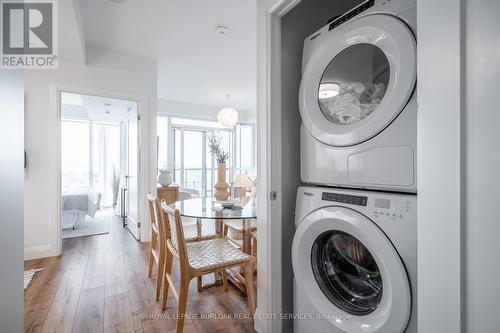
x: 227, y: 117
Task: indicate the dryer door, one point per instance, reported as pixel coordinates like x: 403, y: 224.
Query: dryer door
x: 358, y: 80
x: 351, y: 272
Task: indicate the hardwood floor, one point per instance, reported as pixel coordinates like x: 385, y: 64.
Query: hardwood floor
x: 100, y: 284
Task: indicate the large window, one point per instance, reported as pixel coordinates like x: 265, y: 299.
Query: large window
x: 90, y: 153
x: 187, y: 149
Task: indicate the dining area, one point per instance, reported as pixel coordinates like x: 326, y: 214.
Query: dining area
x: 205, y: 239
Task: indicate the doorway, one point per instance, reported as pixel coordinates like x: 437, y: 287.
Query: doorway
x: 99, y: 163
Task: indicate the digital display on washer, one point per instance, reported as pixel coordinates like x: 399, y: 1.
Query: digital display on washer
x: 382, y: 203
x: 344, y: 198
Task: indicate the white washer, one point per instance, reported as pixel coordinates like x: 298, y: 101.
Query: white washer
x: 358, y: 99
x: 354, y: 258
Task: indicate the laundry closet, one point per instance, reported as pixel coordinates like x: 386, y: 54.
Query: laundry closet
x: 300, y: 22
x: 348, y: 157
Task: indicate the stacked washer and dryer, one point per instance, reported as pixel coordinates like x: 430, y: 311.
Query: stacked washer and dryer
x: 354, y: 252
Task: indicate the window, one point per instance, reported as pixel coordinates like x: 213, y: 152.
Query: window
x: 193, y: 166
x: 90, y: 152
x: 75, y: 154
x: 245, y: 152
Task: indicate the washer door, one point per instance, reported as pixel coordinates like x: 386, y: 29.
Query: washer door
x: 351, y: 272
x: 358, y: 80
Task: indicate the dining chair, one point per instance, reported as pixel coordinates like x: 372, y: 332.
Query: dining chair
x: 157, y: 247
x: 239, y: 226
x: 197, y: 259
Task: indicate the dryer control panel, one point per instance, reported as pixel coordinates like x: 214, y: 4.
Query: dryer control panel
x: 391, y: 208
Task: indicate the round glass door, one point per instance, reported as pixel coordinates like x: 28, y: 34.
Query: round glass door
x: 346, y: 272
x: 357, y: 80
x: 353, y: 84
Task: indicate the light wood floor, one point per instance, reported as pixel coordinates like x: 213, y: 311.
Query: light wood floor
x: 100, y: 284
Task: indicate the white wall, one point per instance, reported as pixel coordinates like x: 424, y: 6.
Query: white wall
x: 483, y: 164
x: 106, y: 71
x: 198, y: 111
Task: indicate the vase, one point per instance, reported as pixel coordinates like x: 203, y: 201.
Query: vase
x: 165, y: 178
x: 221, y: 186
x: 115, y: 199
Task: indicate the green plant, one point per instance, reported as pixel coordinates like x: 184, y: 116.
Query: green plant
x: 214, y: 144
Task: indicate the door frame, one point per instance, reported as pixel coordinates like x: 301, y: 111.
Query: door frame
x: 269, y: 230
x: 143, y: 178
x: 434, y: 161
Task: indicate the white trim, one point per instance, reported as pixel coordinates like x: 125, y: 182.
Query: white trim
x: 269, y: 254
x: 41, y: 251
x: 441, y: 166
x: 281, y: 7
x: 145, y: 183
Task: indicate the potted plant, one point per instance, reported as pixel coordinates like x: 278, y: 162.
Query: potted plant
x: 221, y: 186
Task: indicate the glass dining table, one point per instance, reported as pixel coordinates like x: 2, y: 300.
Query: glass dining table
x: 209, y: 208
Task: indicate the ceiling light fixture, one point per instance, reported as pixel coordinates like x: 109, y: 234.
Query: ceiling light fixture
x: 227, y: 117
x: 328, y: 90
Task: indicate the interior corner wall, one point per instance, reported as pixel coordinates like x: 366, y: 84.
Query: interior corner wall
x: 105, y: 71
x: 306, y: 18
x: 483, y: 164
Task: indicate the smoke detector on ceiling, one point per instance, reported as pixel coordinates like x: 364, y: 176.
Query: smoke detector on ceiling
x: 222, y: 30
x: 118, y: 1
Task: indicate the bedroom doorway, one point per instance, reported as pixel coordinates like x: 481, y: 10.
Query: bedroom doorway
x: 99, y: 161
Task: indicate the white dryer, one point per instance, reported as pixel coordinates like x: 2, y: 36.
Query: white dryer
x: 354, y: 258
x: 358, y: 99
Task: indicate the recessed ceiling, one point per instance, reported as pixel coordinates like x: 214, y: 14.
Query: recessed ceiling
x: 196, y: 63
x: 95, y: 108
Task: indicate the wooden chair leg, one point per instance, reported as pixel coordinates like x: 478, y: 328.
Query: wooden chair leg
x: 159, y: 276
x: 198, y: 229
x: 166, y: 285
x: 249, y: 287
x: 223, y: 274
x: 183, y: 295
x: 200, y: 283
x: 151, y: 258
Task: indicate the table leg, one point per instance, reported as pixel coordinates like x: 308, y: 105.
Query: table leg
x: 219, y: 223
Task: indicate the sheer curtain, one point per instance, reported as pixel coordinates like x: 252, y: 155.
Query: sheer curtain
x: 90, y: 154
x: 75, y: 155
x: 105, y: 159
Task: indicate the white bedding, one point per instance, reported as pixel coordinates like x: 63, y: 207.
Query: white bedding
x: 77, y: 204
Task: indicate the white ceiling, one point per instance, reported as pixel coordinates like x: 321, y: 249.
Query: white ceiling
x: 86, y: 107
x: 195, y: 64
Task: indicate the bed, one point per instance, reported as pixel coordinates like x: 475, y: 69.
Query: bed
x: 76, y: 205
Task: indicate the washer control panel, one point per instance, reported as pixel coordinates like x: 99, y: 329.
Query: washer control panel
x: 345, y: 198
x: 393, y: 209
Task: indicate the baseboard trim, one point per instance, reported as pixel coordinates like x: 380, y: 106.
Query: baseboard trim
x: 260, y: 325
x: 37, y: 252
